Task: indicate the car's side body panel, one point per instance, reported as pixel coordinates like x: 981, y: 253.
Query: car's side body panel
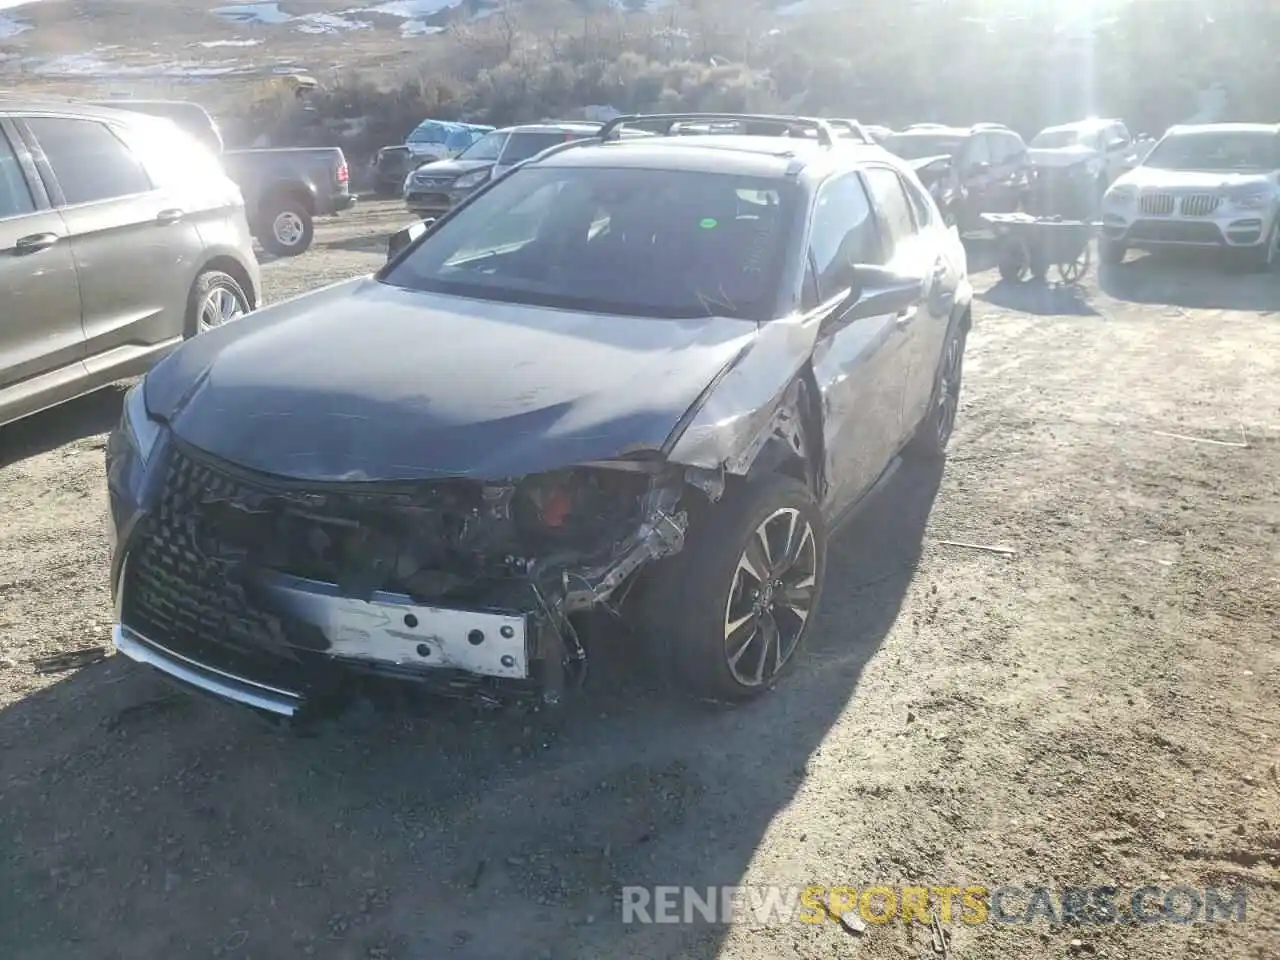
x: 98, y: 287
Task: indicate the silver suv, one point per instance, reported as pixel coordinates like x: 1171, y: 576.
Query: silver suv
x: 120, y: 236
x: 1214, y: 186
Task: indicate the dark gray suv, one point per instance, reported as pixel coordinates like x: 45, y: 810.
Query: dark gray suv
x: 645, y: 377
x: 120, y: 236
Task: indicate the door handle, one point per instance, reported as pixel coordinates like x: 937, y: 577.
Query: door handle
x: 904, y: 317
x: 34, y: 243
x: 166, y: 217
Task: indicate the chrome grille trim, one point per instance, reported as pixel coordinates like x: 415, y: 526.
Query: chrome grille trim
x: 1157, y: 204
x: 1199, y: 204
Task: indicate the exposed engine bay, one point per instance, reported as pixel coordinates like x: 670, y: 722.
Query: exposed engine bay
x: 454, y: 542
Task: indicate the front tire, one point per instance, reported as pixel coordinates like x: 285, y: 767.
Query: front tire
x: 287, y: 227
x: 730, y: 612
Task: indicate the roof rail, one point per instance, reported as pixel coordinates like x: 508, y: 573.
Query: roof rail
x: 853, y: 126
x: 989, y: 126
x: 784, y: 125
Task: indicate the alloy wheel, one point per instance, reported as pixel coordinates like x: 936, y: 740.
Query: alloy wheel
x: 770, y: 597
x: 220, y: 305
x: 287, y: 228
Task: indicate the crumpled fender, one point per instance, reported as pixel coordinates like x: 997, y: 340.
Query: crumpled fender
x: 732, y: 419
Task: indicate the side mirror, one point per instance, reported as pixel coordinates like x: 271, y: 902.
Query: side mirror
x: 403, y: 238
x: 876, y: 290
x: 1119, y: 143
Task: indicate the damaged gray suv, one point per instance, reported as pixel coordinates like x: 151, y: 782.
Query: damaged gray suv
x: 648, y: 376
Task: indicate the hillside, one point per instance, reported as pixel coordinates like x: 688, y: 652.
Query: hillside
x: 387, y: 63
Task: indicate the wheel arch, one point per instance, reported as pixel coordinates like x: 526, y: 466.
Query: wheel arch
x: 288, y: 190
x: 793, y: 439
x: 233, y: 268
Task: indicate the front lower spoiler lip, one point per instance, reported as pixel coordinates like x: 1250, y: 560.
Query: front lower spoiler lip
x: 220, y: 684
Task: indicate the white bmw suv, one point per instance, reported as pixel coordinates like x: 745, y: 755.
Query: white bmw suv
x: 1214, y: 186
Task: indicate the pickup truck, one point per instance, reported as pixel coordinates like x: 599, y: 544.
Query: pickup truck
x: 284, y: 189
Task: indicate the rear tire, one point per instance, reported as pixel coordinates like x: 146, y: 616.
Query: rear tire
x: 216, y: 298
x: 287, y: 227
x: 934, y: 432
x: 706, y: 627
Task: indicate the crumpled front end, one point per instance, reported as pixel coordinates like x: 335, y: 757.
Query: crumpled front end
x: 271, y: 592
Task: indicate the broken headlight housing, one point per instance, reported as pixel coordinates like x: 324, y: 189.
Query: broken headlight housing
x: 584, y: 507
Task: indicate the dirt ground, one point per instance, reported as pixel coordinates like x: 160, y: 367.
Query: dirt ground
x: 1099, y: 706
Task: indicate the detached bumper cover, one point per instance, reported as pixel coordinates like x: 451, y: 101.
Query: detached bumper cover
x: 220, y: 684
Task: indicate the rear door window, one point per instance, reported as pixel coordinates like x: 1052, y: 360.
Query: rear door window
x: 15, y: 195
x: 890, y: 199
x: 922, y: 204
x: 90, y: 162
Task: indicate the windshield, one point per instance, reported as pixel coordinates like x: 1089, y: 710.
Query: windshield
x: 1217, y: 152
x: 648, y: 243
x: 522, y: 146
x: 1055, y: 139
x: 914, y: 146
x: 460, y: 139
x: 428, y: 133
x: 488, y: 147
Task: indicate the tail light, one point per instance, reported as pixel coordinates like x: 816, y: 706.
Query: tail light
x: 344, y: 174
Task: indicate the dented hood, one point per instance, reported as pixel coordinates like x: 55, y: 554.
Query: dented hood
x: 363, y: 381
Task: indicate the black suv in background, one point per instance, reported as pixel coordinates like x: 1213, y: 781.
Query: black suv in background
x: 435, y: 187
x: 119, y: 236
x: 980, y: 169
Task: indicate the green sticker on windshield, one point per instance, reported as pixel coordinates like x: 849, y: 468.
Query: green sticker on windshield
x: 708, y: 223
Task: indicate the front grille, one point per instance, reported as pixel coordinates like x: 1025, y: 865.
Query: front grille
x: 1156, y: 204
x: 193, y: 604
x: 1199, y: 205
x: 1175, y: 231
x: 432, y: 183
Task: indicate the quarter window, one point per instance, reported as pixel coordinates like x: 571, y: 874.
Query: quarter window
x: 15, y: 195
x: 90, y: 162
x: 843, y: 233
